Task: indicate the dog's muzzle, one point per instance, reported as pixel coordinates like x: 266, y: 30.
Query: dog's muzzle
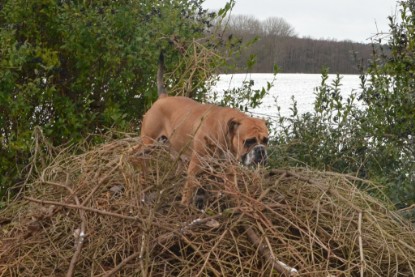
x: 257, y: 155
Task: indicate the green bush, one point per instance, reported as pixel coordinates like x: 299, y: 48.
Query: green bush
x: 371, y: 133
x: 390, y: 101
x: 329, y: 138
x: 78, y: 67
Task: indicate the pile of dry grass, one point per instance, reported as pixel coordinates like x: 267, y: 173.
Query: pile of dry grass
x: 94, y: 214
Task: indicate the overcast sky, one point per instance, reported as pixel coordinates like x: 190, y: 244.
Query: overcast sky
x: 355, y: 20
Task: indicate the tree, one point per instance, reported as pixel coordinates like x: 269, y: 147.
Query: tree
x: 277, y: 27
x: 78, y: 67
x: 244, y: 26
x: 389, y: 96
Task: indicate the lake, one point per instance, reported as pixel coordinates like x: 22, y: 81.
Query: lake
x: 301, y: 86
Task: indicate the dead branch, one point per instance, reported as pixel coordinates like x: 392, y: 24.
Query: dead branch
x: 267, y: 253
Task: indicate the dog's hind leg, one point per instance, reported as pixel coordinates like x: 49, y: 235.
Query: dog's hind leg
x: 139, y: 155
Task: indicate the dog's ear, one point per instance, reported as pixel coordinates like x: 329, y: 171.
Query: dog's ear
x: 232, y: 126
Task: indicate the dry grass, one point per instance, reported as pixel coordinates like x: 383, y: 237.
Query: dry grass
x: 94, y: 214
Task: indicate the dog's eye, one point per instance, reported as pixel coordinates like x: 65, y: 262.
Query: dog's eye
x: 250, y: 142
x: 265, y: 140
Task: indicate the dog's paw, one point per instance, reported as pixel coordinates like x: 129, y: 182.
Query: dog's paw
x: 200, y: 199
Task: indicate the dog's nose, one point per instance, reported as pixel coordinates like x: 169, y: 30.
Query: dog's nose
x: 260, y: 154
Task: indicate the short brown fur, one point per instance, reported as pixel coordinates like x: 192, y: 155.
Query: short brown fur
x: 193, y: 129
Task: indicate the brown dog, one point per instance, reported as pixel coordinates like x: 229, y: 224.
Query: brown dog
x: 197, y: 130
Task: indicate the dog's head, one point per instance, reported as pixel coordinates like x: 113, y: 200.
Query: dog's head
x: 249, y: 139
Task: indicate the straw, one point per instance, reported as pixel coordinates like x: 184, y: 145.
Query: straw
x: 91, y: 211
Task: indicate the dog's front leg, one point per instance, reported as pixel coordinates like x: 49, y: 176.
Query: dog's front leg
x: 191, y: 181
x: 231, y: 185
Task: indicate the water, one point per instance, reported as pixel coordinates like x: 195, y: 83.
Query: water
x: 301, y: 86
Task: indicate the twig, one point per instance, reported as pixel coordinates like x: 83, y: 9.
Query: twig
x: 287, y: 172
x: 190, y: 243
x: 102, y: 179
x: 198, y: 222
x: 79, y: 240
x: 210, y: 252
x: 265, y: 251
x: 362, y: 258
x: 72, y: 206
x: 265, y: 192
x: 142, y: 248
x: 79, y: 237
x: 123, y: 263
x: 164, y: 239
x: 407, y: 208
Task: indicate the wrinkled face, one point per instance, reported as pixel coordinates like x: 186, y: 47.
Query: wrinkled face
x: 250, y: 140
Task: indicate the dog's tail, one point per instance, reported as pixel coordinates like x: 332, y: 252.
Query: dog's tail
x: 161, y: 90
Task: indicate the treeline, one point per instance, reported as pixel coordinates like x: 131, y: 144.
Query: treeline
x: 274, y: 41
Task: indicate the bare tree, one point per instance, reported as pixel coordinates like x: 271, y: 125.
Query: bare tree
x: 244, y: 25
x: 275, y: 30
x: 277, y: 27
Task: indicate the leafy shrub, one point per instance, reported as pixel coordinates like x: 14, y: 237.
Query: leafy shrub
x: 78, y: 67
x: 371, y: 133
x: 328, y: 138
